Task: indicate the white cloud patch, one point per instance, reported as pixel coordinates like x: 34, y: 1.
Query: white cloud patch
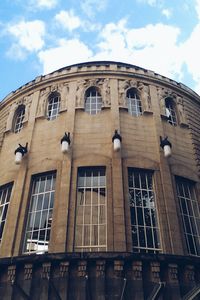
x: 190, y: 50
x: 153, y: 47
x: 90, y: 7
x: 167, y: 13
x: 197, y: 7
x: 43, y: 4
x: 148, y: 47
x: 28, y: 36
x: 68, y: 20
x: 68, y: 52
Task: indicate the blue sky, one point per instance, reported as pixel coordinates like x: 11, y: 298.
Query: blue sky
x: 40, y: 36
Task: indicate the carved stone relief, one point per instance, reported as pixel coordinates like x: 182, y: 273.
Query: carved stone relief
x: 181, y: 111
x: 162, y: 95
x: 145, y: 96
x: 102, y: 84
x: 143, y: 90
x: 81, y: 86
x: 27, y: 100
x: 62, y: 89
x: 105, y: 91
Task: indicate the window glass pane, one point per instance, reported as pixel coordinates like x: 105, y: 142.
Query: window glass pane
x: 93, y: 101
x: 5, y: 193
x: 91, y: 210
x: 53, y: 106
x: 143, y: 211
x: 40, y: 214
x: 189, y: 210
x: 19, y: 117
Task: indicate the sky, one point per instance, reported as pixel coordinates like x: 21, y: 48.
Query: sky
x: 40, y: 36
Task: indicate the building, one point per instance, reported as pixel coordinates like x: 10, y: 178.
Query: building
x: 101, y: 198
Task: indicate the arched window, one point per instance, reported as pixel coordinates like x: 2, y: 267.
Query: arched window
x: 18, y: 118
x: 133, y: 102
x: 93, y: 101
x: 171, y: 111
x: 53, y: 106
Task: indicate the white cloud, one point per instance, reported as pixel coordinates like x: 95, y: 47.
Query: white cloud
x: 28, y: 35
x: 197, y: 7
x: 90, y: 7
x: 68, y: 20
x: 42, y: 4
x: 167, y: 13
x: 68, y: 52
x: 190, y: 50
x: 153, y: 47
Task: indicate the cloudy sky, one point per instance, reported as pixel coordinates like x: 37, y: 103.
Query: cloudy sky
x: 40, y: 36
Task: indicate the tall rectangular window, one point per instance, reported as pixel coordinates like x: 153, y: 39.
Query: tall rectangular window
x: 144, y: 224
x: 190, y: 214
x: 5, y: 192
x: 40, y: 213
x: 91, y: 210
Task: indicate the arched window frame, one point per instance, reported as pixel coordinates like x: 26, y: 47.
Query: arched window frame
x: 53, y: 106
x: 93, y: 100
x: 133, y: 102
x: 170, y: 110
x: 18, y: 118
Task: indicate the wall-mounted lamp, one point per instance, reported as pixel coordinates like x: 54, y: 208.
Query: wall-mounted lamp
x: 116, y: 139
x: 19, y: 153
x: 65, y: 142
x: 167, y: 146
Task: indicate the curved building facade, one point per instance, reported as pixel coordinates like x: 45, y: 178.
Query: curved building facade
x: 100, y: 186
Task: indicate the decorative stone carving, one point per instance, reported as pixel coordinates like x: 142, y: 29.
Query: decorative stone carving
x: 46, y: 268
x: 11, y: 273
x: 28, y: 270
x: 64, y: 268
x: 155, y: 271
x: 124, y: 85
x: 42, y: 102
x: 64, y: 91
x: 82, y: 268
x: 81, y: 85
x: 26, y: 101
x: 118, y: 268
x: 145, y: 97
x: 137, y: 270
x: 100, y: 268
x: 105, y: 91
x: 162, y: 95
x: 173, y: 273
x: 181, y: 111
x: 189, y: 274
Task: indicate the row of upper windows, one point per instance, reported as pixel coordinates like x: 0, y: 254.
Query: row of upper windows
x: 93, y: 105
x: 91, y: 217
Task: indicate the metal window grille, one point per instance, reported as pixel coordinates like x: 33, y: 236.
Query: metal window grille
x: 91, y: 210
x: 133, y: 103
x: 144, y: 223
x: 171, y: 112
x: 5, y: 192
x: 93, y: 101
x: 53, y: 106
x: 190, y: 214
x: 19, y: 119
x: 40, y: 214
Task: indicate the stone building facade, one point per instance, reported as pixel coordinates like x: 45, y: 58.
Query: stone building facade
x: 91, y: 221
